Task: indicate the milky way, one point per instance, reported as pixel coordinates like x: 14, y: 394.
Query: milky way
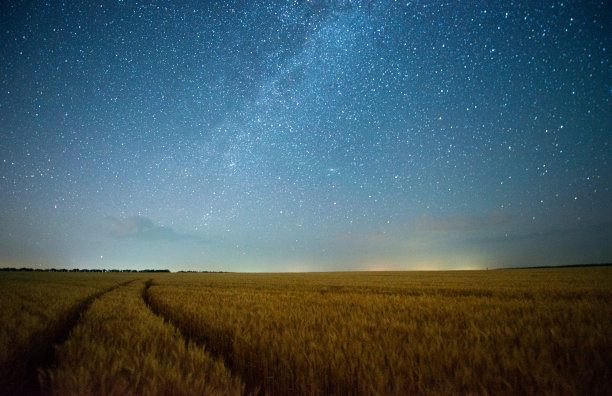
x: 320, y: 135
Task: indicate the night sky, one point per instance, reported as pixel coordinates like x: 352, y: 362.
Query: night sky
x: 305, y: 135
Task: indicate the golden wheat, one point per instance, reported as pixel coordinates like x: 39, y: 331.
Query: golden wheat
x: 541, y: 331
x: 35, y: 308
x: 484, y: 332
x: 122, y: 348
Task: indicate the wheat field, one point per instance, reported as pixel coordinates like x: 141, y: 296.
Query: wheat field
x: 130, y: 350
x: 36, y: 311
x: 532, y: 331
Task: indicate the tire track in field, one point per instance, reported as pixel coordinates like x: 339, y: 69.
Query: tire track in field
x: 43, y: 356
x: 251, y: 387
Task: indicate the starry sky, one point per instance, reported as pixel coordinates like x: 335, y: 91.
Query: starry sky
x: 305, y: 135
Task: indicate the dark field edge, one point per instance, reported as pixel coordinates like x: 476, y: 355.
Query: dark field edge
x: 562, y: 266
x: 40, y: 353
x: 252, y: 387
x: 27, y: 269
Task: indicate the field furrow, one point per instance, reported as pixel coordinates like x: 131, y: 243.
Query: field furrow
x: 38, y: 311
x: 198, y: 338
x: 121, y: 347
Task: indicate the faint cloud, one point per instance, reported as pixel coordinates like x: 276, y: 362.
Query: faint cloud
x: 142, y: 228
x: 460, y: 222
x: 589, y: 230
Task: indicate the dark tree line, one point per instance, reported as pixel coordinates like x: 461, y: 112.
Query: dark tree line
x: 77, y: 270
